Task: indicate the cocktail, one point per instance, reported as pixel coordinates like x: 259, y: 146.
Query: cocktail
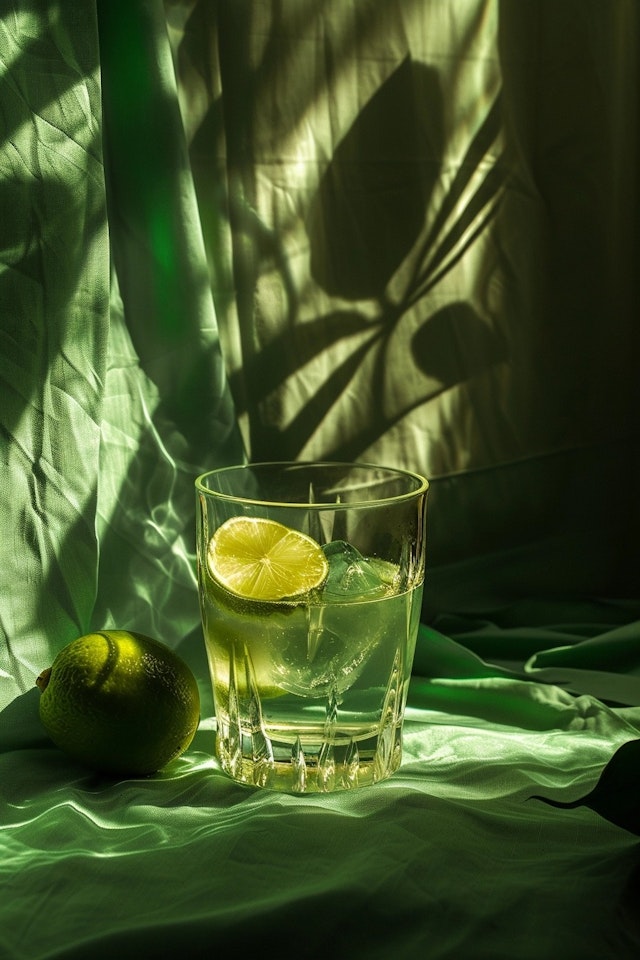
x: 310, y: 581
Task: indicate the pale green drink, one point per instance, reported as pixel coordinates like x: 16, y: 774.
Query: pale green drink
x: 314, y: 692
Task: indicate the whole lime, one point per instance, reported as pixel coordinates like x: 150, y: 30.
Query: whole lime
x: 120, y: 702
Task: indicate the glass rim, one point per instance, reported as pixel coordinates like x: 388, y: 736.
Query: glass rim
x: 422, y: 488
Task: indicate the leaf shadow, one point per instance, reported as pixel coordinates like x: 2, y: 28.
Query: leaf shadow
x: 456, y: 345
x: 366, y: 220
x: 298, y: 345
x: 356, y: 247
x: 366, y: 217
x: 616, y: 796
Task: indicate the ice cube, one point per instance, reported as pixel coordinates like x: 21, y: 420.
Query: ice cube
x: 351, y: 576
x: 342, y: 638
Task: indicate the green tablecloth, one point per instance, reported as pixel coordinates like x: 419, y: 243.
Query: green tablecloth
x: 453, y: 857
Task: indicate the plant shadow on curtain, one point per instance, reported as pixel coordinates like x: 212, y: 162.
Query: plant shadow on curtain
x: 360, y: 209
x: 423, y: 259
x: 362, y: 226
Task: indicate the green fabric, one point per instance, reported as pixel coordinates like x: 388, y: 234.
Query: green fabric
x: 404, y: 232
x: 451, y: 857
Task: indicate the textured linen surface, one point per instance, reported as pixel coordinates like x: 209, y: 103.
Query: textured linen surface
x: 404, y: 231
x: 449, y: 858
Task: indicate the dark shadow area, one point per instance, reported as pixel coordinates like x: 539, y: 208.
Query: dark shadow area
x: 616, y: 796
x: 372, y: 198
x: 455, y: 345
x: 20, y: 725
x: 571, y: 74
x: 35, y: 290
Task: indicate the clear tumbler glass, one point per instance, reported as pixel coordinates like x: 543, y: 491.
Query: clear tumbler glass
x: 310, y: 582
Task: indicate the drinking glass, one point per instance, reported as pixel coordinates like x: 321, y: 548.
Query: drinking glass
x: 310, y: 675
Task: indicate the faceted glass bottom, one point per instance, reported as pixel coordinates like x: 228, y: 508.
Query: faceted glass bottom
x: 314, y: 767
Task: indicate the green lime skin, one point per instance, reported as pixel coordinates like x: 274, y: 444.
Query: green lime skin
x: 120, y: 702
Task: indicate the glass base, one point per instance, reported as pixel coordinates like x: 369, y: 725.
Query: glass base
x: 313, y: 767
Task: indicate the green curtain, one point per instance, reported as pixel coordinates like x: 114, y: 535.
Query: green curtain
x: 404, y: 231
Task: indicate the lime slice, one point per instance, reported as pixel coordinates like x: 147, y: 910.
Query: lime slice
x: 260, y: 559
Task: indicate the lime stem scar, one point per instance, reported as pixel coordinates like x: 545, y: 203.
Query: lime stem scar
x: 42, y: 681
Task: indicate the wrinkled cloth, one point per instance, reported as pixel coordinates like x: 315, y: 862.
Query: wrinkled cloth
x: 456, y: 855
x: 402, y: 232
x: 218, y: 246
